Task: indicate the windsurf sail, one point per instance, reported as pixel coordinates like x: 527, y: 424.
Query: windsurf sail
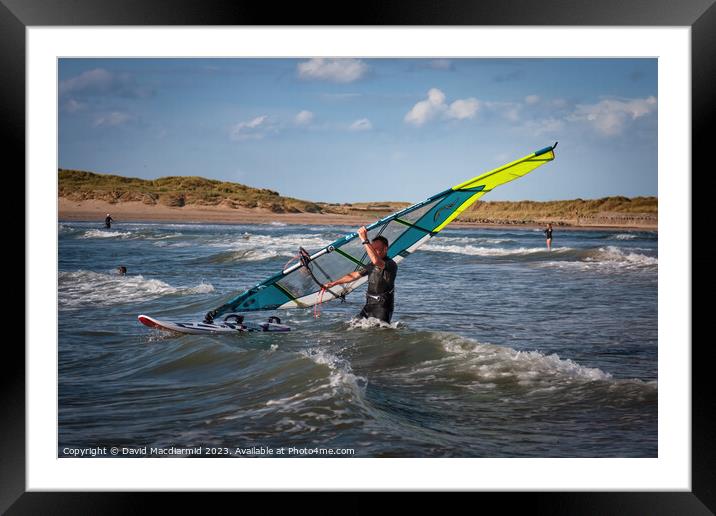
x: 300, y: 285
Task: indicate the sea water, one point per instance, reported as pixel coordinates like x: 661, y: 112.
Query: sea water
x: 497, y: 348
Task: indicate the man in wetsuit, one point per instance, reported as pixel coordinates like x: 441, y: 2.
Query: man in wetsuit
x: 381, y: 274
x: 108, y: 221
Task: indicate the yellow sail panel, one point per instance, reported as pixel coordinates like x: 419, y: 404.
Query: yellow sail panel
x: 507, y: 173
x: 504, y: 174
x: 459, y: 210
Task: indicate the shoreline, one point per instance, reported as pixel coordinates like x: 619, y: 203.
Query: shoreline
x: 95, y: 211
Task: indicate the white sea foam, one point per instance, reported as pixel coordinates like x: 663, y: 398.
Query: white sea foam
x: 613, y: 254
x: 201, y: 288
x: 492, y: 251
x: 625, y: 236
x: 245, y: 255
x: 66, y: 229
x: 538, y: 372
x: 101, y: 233
x: 608, y: 259
x: 471, y: 240
x: 490, y: 364
x: 260, y: 247
x: 163, y: 243
x: 81, y: 288
x: 165, y: 236
x: 341, y: 375
x: 371, y: 322
x: 486, y: 366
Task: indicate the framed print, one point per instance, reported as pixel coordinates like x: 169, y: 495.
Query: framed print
x: 211, y: 168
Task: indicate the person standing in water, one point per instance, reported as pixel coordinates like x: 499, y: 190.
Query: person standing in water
x: 548, y: 234
x: 381, y: 274
x: 108, y: 221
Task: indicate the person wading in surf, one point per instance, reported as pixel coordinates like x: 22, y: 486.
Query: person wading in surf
x: 381, y: 274
x: 548, y: 234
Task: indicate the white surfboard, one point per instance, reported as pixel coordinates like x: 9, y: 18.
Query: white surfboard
x: 202, y: 328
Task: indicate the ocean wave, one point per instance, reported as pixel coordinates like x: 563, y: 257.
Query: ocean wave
x: 161, y: 236
x: 105, y: 233
x: 493, y: 251
x: 607, y: 259
x: 251, y: 247
x: 472, y: 240
x: 82, y: 288
x: 611, y: 254
x: 66, y: 229
x: 480, y: 366
x: 635, y: 235
x: 242, y: 255
x: 164, y: 243
x: 526, y: 367
x: 341, y: 375
x: 336, y: 398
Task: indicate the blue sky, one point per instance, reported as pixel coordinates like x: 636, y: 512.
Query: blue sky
x: 350, y: 130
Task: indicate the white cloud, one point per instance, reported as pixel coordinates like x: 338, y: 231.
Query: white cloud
x: 304, y: 118
x: 507, y: 110
x: 100, y: 82
x: 550, y: 126
x: 466, y: 108
x: 361, y: 125
x: 512, y: 113
x: 435, y: 106
x: 72, y: 106
x: 426, y: 110
x: 98, y: 79
x: 335, y: 70
x: 610, y: 116
x: 112, y: 119
x: 531, y: 99
x: 254, y: 129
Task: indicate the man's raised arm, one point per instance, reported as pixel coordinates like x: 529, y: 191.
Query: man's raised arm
x: 374, y: 258
x: 351, y: 276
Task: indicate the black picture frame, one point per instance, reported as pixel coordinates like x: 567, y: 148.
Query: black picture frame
x: 700, y: 15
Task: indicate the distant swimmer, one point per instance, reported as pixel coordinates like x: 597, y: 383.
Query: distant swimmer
x: 121, y: 270
x: 548, y: 234
x: 381, y: 274
x: 108, y: 221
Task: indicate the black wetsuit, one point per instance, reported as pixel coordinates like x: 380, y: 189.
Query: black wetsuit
x: 548, y: 232
x: 108, y: 222
x: 381, y: 287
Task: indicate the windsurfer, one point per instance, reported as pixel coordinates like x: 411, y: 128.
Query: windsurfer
x: 381, y: 274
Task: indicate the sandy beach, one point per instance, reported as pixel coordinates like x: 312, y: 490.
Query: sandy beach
x: 132, y: 211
